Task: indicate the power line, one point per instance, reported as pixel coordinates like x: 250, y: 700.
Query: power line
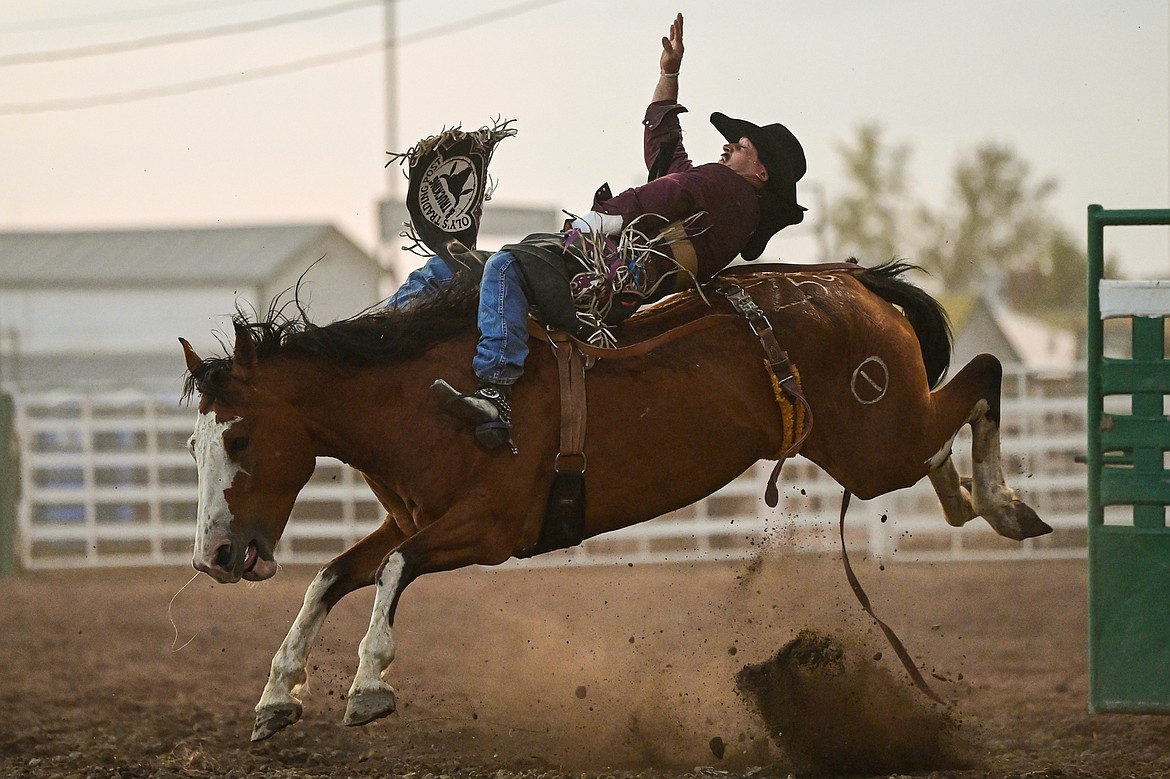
x: 476, y: 21
x: 186, y: 87
x: 183, y: 36
x: 280, y: 69
x: 90, y: 20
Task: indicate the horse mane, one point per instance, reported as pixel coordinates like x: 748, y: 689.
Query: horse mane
x: 925, y: 314
x: 372, y: 337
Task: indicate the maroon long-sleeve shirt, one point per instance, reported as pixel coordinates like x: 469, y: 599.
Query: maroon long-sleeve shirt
x: 728, y: 204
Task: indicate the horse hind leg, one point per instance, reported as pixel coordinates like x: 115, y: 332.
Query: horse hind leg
x: 986, y: 493
x: 994, y: 500
x: 954, y: 492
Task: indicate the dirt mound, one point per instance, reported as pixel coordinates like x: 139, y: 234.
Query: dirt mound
x: 834, y: 713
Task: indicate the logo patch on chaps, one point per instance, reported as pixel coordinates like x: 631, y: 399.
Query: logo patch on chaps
x: 870, y: 381
x: 448, y: 186
x: 448, y: 194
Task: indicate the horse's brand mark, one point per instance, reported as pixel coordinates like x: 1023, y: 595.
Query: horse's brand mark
x: 822, y: 281
x: 871, y: 380
x: 798, y: 281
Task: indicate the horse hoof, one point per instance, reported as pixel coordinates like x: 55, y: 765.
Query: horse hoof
x: 1028, y: 521
x: 1019, y: 521
x: 368, y: 705
x: 273, y: 719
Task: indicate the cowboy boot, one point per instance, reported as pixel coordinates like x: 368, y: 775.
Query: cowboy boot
x: 487, y: 408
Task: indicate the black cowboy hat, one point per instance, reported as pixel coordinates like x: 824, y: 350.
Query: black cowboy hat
x: 783, y: 156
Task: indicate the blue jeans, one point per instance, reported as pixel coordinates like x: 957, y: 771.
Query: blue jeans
x: 502, y: 318
x: 428, y: 279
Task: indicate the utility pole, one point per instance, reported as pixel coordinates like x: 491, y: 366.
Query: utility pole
x: 510, y: 223
x: 390, y: 66
x: 391, y: 208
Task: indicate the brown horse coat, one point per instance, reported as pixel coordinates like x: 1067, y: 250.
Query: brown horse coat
x: 665, y: 430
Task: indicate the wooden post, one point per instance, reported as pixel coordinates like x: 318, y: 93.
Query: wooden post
x: 9, y: 484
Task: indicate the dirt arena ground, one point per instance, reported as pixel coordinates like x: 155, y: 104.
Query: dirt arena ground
x: 584, y: 672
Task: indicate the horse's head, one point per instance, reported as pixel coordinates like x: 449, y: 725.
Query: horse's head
x: 253, y: 455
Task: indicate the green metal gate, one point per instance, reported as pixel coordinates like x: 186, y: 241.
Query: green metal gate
x: 1129, y: 485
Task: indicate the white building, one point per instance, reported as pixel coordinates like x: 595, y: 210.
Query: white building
x: 105, y: 308
x: 1020, y: 342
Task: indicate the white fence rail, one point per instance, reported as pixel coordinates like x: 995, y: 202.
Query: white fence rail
x: 107, y: 481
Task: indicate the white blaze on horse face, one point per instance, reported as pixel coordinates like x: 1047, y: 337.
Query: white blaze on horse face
x: 216, y: 473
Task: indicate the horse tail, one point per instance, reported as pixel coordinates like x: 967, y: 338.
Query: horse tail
x: 926, y: 316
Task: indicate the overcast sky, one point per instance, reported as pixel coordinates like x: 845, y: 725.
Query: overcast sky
x: 1080, y: 89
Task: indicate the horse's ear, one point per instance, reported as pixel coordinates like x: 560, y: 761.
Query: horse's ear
x: 193, y: 360
x: 244, y: 352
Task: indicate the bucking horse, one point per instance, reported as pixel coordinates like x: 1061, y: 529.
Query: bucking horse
x: 686, y: 404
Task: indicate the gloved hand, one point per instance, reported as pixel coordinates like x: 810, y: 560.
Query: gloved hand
x: 593, y: 222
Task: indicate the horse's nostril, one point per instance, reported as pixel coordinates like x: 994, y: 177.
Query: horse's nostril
x: 223, y: 557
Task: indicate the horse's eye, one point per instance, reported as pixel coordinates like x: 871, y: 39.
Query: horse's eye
x: 237, y: 445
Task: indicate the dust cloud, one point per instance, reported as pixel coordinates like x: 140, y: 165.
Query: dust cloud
x: 639, y: 671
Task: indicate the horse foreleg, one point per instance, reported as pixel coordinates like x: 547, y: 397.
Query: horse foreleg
x: 369, y: 697
x: 470, y: 536
x: 279, y: 704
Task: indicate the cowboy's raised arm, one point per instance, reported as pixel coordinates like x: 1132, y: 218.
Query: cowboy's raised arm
x: 669, y: 62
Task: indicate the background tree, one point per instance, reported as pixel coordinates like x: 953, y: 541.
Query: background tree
x: 994, y: 235
x: 1055, y: 287
x: 869, y: 221
x: 996, y: 222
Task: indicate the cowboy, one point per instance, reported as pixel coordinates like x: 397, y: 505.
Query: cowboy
x: 730, y: 207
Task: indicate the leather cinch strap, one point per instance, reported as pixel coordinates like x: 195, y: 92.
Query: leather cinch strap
x: 563, y: 522
x: 571, y: 369
x: 781, y: 368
